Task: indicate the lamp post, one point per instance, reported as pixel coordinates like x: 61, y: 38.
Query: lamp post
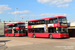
x: 16, y: 14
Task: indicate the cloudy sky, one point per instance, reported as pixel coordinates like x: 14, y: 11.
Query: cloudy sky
x: 36, y: 9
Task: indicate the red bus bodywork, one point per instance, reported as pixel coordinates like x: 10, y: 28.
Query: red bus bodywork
x: 54, y: 35
x: 14, y: 28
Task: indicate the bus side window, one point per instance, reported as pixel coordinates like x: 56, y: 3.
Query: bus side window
x: 7, y: 26
x: 15, y: 25
x: 51, y: 21
x: 47, y: 21
x: 30, y: 23
x: 41, y: 30
x: 36, y: 22
x: 35, y: 30
x: 30, y: 30
x: 10, y: 26
x: 50, y: 30
x: 55, y: 20
x: 53, y: 30
x: 15, y: 31
x: 39, y: 22
x: 9, y: 31
x: 38, y: 30
x: 43, y: 21
x: 33, y: 23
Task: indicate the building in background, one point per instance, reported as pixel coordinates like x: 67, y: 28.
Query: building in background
x: 71, y: 29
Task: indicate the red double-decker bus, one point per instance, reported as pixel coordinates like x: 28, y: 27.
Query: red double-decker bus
x: 15, y: 29
x: 52, y: 27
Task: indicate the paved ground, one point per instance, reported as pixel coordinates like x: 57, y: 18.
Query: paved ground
x: 28, y: 43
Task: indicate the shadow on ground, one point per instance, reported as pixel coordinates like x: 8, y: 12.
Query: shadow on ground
x: 12, y: 36
x: 4, y: 41
x: 52, y: 38
x: 3, y: 44
x: 2, y: 36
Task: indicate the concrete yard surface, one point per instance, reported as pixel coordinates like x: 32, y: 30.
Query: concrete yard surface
x: 28, y: 43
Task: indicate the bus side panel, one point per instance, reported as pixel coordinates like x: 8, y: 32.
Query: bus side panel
x: 17, y: 34
x: 59, y: 35
x: 55, y: 35
x: 30, y: 34
x: 64, y: 35
x: 24, y: 34
x: 56, y: 24
x: 41, y: 34
x: 29, y: 26
x: 11, y: 34
x: 5, y: 34
x: 20, y: 34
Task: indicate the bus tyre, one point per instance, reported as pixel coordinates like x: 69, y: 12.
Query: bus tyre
x: 34, y: 35
x: 50, y: 36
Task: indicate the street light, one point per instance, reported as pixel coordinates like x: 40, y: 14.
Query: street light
x: 16, y: 14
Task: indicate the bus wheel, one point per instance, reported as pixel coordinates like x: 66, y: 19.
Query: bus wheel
x: 34, y: 35
x: 50, y: 36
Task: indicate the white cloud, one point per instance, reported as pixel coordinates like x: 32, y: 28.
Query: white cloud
x: 63, y: 5
x: 46, y: 15
x: 57, y: 14
x: 19, y: 12
x: 28, y: 15
x: 55, y: 2
x: 0, y: 12
x: 23, y: 16
x: 4, y: 8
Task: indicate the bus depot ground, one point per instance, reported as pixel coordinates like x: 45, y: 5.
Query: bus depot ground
x: 29, y: 43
